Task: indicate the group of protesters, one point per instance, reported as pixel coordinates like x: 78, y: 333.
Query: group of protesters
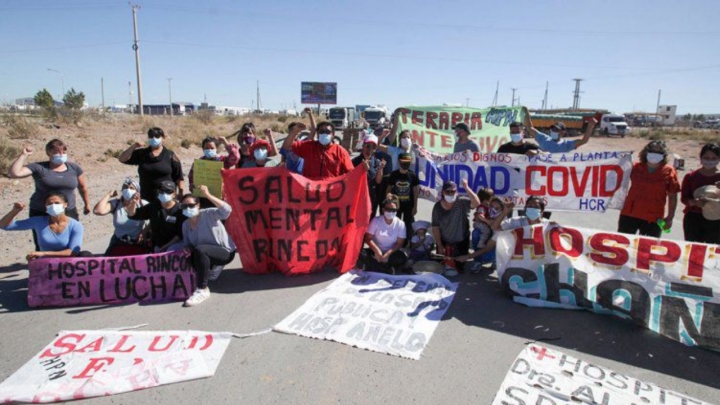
x: 156, y: 213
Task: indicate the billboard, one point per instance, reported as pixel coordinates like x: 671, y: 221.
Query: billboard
x: 318, y: 93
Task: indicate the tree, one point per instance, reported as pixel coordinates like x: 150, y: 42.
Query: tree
x: 74, y: 100
x: 44, y: 100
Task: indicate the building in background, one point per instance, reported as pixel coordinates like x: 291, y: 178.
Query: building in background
x: 667, y: 114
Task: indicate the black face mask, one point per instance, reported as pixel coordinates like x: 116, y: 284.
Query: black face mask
x: 405, y: 166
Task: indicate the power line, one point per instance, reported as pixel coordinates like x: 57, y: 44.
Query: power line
x: 61, y: 48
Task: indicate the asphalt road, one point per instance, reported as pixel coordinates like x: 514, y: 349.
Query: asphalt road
x: 465, y: 361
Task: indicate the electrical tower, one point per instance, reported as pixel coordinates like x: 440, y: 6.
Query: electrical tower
x: 576, y: 97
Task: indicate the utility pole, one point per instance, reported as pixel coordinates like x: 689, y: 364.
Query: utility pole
x: 258, y: 96
x: 137, y: 58
x: 497, y: 87
x: 657, y: 108
x: 129, y: 94
x: 467, y: 102
x: 102, y: 92
x: 513, y: 97
x: 576, y: 97
x: 170, y: 94
x: 544, y: 103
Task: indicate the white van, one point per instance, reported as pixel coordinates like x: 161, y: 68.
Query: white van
x: 613, y: 124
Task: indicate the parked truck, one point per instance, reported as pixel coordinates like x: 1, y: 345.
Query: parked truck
x: 377, y: 116
x: 613, y: 124
x: 342, y: 117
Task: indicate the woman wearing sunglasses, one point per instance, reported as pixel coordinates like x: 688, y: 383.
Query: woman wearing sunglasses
x: 385, y: 237
x: 155, y: 163
x: 206, y: 241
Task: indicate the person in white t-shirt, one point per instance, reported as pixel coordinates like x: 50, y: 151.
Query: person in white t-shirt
x: 385, y: 237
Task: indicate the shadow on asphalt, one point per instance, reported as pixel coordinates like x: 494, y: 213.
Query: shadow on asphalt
x: 233, y: 281
x: 13, y: 288
x: 481, y: 302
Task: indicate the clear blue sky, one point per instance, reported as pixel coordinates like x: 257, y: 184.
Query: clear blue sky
x: 380, y: 52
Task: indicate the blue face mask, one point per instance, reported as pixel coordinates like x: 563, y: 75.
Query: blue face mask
x: 128, y: 193
x: 191, y: 212
x: 554, y: 135
x: 532, y: 213
x: 55, y: 209
x: 324, y: 139
x: 59, y: 159
x: 210, y: 153
x: 165, y: 198
x: 260, y: 154
x: 155, y: 142
x: 516, y: 138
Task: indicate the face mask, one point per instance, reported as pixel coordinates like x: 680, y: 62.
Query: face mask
x: 59, y: 159
x: 389, y: 215
x: 709, y: 164
x: 405, y: 143
x: 155, y: 142
x: 165, y: 198
x: 210, y: 153
x: 516, y: 138
x: 450, y: 198
x: 554, y: 135
x: 405, y: 166
x: 191, y: 212
x: 249, y: 140
x: 654, y: 158
x: 260, y: 154
x: 324, y: 139
x: 494, y: 213
x: 128, y: 193
x: 55, y: 209
x: 532, y: 213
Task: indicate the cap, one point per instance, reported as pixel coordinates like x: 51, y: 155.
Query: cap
x: 449, y: 185
x: 559, y: 125
x: 406, y: 157
x: 167, y: 186
x: 463, y: 126
x: 420, y: 225
x: 259, y: 143
x: 370, y: 139
x: 711, y: 194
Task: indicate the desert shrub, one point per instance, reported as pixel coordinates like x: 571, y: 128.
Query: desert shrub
x: 19, y: 127
x: 8, y: 154
x: 204, y: 116
x: 186, y: 143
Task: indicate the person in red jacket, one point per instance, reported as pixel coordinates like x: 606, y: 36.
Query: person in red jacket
x: 696, y: 227
x: 653, y: 185
x: 323, y: 158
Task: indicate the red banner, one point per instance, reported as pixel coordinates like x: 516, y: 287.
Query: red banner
x: 284, y: 222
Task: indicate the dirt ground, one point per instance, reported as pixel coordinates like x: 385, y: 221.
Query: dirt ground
x: 92, y: 146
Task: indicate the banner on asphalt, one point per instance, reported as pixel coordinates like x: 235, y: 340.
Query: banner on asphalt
x: 668, y: 286
x: 590, y: 181
x: 387, y: 314
x: 285, y: 222
x: 86, y: 364
x: 61, y: 282
x: 432, y: 127
x: 548, y: 377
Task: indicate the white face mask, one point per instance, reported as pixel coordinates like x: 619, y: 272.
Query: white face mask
x: 654, y: 158
x: 405, y: 143
x: 709, y: 164
x: 324, y: 139
x: 128, y: 193
x: 554, y: 135
x: 516, y: 138
x: 55, y: 209
x: 191, y: 212
x: 165, y: 198
x: 532, y: 213
x: 450, y: 198
x: 389, y: 215
x: 260, y: 154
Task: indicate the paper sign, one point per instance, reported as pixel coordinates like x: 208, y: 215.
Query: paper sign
x: 207, y: 173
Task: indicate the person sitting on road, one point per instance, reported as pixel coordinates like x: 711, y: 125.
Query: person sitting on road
x: 451, y: 224
x: 323, y: 158
x: 129, y: 236
x: 422, y: 243
x: 517, y: 144
x: 556, y: 142
x: 259, y: 152
x: 210, y: 152
x: 463, y: 143
x: 206, y: 241
x: 58, y: 235
x: 165, y: 217
x: 482, y: 223
x: 385, y: 237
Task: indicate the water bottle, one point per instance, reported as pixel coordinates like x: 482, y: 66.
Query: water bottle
x: 661, y: 224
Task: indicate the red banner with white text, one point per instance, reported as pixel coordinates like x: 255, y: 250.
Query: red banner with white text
x: 285, y: 222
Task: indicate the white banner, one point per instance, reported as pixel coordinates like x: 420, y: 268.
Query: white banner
x: 670, y: 287
x: 387, y: 314
x: 592, y: 181
x: 548, y: 377
x: 85, y: 364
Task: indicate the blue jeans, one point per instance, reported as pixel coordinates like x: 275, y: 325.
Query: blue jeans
x: 486, y: 257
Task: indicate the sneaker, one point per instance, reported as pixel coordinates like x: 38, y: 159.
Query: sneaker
x: 198, y: 297
x: 450, y: 272
x: 474, y: 267
x: 215, y: 272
